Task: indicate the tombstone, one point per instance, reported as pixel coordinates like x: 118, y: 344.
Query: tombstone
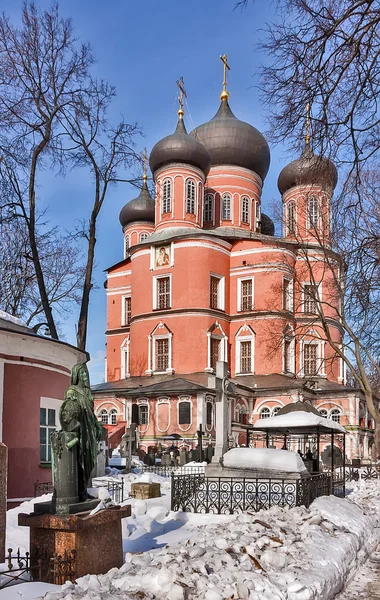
x: 101, y: 460
x: 209, y: 453
x: 3, y: 497
x: 166, y: 460
x: 128, y: 444
x: 183, y: 457
x: 222, y: 423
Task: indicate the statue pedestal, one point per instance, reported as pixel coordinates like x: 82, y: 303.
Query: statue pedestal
x: 97, y: 539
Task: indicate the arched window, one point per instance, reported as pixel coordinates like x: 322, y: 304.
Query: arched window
x: 166, y: 196
x: 208, y: 209
x: 265, y: 413
x: 335, y: 415
x: 275, y: 410
x: 312, y: 209
x: 209, y: 413
x: 190, y: 196
x: 226, y: 207
x: 112, y: 418
x: 126, y: 246
x: 245, y: 209
x: 323, y: 413
x: 143, y: 236
x: 290, y: 218
x: 103, y: 416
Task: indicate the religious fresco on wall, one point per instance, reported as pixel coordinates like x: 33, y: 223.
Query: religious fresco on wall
x: 161, y: 257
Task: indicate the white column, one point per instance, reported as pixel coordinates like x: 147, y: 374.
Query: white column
x: 170, y: 367
x: 1, y: 397
x: 149, y: 369
x: 208, y: 368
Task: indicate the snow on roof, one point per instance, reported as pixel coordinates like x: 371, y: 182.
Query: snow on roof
x: 296, y: 419
x: 264, y: 458
x: 7, y: 317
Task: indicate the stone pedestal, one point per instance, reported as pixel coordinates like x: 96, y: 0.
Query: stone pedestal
x: 97, y: 539
x: 143, y: 491
x: 3, y: 497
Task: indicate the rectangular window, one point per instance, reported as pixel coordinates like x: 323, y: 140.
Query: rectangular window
x: 245, y: 357
x: 310, y: 299
x: 47, y: 426
x: 287, y: 294
x: 208, y: 209
x: 288, y: 368
x: 215, y: 352
x: 143, y: 414
x: 163, y: 292
x: 245, y: 210
x: 127, y: 311
x: 310, y: 359
x: 226, y: 207
x: 184, y: 413
x: 216, y: 292
x: 162, y: 354
x: 246, y: 289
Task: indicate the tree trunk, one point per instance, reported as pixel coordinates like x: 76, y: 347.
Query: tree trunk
x: 377, y: 438
x: 83, y: 315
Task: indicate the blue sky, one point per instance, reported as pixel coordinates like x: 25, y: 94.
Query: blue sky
x: 143, y: 47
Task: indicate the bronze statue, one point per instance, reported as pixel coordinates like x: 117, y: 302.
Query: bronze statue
x: 77, y: 416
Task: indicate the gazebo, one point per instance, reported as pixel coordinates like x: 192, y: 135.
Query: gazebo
x: 300, y: 421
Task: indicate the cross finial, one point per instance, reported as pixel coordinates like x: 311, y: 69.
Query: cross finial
x: 307, y: 124
x: 182, y: 93
x: 144, y: 157
x: 224, y: 95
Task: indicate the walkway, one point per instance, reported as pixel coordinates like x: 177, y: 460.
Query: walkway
x: 366, y: 583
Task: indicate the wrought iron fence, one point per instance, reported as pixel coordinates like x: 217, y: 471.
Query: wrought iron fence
x: 366, y: 472
x: 168, y: 470
x: 56, y: 569
x: 229, y: 495
x: 41, y: 488
x: 115, y: 488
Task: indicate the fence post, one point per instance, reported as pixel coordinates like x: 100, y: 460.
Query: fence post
x: 172, y: 492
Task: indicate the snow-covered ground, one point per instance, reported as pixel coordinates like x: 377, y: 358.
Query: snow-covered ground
x: 279, y: 554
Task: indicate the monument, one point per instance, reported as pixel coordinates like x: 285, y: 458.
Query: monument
x: 66, y: 523
x: 128, y: 444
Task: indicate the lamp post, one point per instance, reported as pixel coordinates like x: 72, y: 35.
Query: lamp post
x: 200, y: 434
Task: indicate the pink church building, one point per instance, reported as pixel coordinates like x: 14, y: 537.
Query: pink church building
x: 203, y: 277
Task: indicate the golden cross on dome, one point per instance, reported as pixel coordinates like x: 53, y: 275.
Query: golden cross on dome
x: 224, y: 95
x: 182, y: 93
x: 307, y: 124
x: 144, y: 157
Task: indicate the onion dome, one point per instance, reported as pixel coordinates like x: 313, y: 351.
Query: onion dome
x: 309, y: 169
x: 180, y: 147
x: 234, y: 142
x: 141, y: 208
x: 267, y: 225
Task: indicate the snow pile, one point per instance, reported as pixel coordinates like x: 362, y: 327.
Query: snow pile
x: 279, y: 554
x: 18, y: 537
x: 298, y: 418
x: 264, y: 458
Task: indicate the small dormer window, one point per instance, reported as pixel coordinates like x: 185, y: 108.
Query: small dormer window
x: 226, y: 207
x: 167, y: 196
x: 190, y: 196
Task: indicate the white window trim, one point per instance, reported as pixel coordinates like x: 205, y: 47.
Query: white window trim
x: 257, y: 216
x: 112, y: 411
x: 123, y: 311
x: 221, y: 290
x: 160, y: 401
x: 231, y: 206
x: 186, y: 212
x: 143, y: 233
x: 125, y: 358
x: 212, y: 196
x: 240, y: 280
x: 180, y: 400
x: 291, y: 339
x: 53, y: 404
x: 212, y: 425
x: 248, y: 222
x: 152, y: 353
x: 290, y: 296
x: 319, y: 293
x: 155, y: 278
x: 223, y: 346
x: 287, y: 230
x: 308, y: 224
x: 143, y: 402
x: 162, y: 196
x: 126, y: 253
x: 245, y: 338
x: 320, y: 357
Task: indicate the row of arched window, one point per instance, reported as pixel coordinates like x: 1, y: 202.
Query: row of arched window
x: 312, y: 216
x: 108, y: 417
x: 334, y: 414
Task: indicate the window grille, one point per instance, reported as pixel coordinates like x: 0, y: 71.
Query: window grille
x: 265, y: 413
x: 246, y: 294
x: 126, y: 246
x: 335, y: 415
x: 166, y: 196
x: 143, y: 414
x: 190, y: 196
x: 127, y: 311
x: 310, y: 299
x: 208, y: 208
x: 184, y: 413
x: 323, y: 413
x: 245, y: 209
x: 113, y: 414
x: 103, y: 416
x: 287, y: 356
x: 310, y: 359
x: 290, y: 224
x: 245, y: 357
x: 275, y: 410
x: 313, y: 212
x: 47, y: 426
x: 215, y: 352
x: 163, y: 292
x: 209, y: 413
x: 214, y: 291
x: 226, y: 207
x: 143, y: 236
x: 162, y: 354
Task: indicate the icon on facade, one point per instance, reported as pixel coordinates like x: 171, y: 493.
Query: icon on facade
x: 162, y: 256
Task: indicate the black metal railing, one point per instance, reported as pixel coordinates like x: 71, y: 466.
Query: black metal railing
x: 229, y: 495
x: 168, y: 470
x: 41, y: 488
x: 114, y: 486
x: 366, y: 472
x: 56, y: 569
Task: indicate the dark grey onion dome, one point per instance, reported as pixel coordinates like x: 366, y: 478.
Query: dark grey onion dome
x: 234, y: 142
x: 141, y: 208
x: 180, y: 147
x: 307, y: 170
x: 267, y: 225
